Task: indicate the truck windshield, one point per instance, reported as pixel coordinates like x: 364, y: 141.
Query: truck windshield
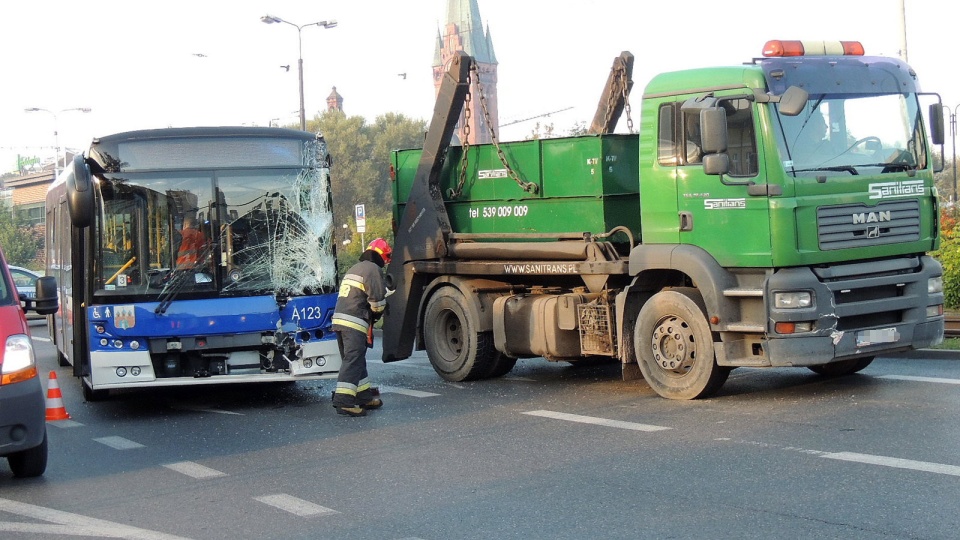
x: 848, y: 134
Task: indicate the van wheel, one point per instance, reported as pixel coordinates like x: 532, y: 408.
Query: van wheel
x: 674, y: 346
x: 30, y: 462
x: 457, y: 351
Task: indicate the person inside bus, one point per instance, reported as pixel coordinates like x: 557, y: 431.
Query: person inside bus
x: 193, y: 245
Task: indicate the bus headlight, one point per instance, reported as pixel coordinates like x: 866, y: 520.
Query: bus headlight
x: 792, y: 299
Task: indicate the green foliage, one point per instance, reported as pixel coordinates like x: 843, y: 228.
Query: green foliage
x: 347, y: 254
x: 361, y: 164
x: 21, y: 242
x: 949, y: 256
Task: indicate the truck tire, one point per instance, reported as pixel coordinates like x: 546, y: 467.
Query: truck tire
x: 674, y: 346
x: 457, y: 351
x: 30, y: 462
x: 500, y: 366
x: 841, y: 368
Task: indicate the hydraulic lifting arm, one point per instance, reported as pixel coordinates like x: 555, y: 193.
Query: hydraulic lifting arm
x: 424, y: 226
x: 614, y: 97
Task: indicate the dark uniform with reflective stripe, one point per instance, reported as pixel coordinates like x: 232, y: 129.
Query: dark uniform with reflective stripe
x: 361, y: 302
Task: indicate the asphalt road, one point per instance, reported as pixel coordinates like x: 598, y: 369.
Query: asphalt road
x: 549, y: 451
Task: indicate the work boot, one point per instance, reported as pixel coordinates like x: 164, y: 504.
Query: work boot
x: 369, y: 398
x: 355, y: 410
x: 374, y: 403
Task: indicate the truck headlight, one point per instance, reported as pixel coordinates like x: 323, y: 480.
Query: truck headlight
x: 935, y: 285
x: 792, y: 299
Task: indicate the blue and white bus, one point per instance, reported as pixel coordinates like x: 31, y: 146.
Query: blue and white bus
x: 194, y: 256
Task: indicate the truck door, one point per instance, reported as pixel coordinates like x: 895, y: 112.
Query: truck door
x: 717, y: 213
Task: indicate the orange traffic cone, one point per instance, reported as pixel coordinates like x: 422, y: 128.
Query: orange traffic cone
x: 55, y: 408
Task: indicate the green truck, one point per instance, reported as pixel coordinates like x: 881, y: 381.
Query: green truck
x: 775, y: 213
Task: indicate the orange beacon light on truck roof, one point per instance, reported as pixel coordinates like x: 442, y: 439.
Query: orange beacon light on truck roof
x: 778, y: 47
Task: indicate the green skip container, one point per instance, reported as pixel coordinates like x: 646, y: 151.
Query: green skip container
x: 587, y: 183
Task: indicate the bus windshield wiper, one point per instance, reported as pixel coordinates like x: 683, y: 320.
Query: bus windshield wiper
x: 180, y: 279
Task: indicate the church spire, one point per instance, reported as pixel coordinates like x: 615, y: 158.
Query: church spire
x: 464, y: 31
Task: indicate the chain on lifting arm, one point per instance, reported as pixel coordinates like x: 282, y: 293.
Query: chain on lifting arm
x: 529, y: 187
x: 465, y: 150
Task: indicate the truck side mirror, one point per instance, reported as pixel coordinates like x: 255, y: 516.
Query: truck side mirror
x: 713, y: 130
x: 716, y: 164
x: 793, y: 101
x: 936, y: 123
x: 79, y: 192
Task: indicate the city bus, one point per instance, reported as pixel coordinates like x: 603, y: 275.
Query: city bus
x: 194, y: 256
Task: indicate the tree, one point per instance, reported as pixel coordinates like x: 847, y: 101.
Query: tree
x: 361, y: 172
x: 21, y: 241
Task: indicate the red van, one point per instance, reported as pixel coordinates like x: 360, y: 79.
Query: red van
x: 23, y: 427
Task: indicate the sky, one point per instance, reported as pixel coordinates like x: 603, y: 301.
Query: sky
x: 144, y: 65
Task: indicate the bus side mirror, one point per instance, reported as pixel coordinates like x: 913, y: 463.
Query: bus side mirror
x: 79, y: 192
x: 46, y: 302
x: 936, y: 123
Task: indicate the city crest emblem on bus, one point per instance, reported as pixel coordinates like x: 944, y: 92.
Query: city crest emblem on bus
x: 124, y: 317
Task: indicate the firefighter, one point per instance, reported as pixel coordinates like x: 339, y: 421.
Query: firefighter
x: 360, y: 303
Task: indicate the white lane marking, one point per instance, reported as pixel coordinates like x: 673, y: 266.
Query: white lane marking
x: 194, y: 470
x: 406, y: 392
x: 43, y: 339
x: 920, y: 379
x: 299, y: 507
x: 854, y: 457
x: 64, y: 423
x: 72, y: 524
x: 898, y: 463
x: 119, y: 443
x: 598, y: 421
x: 206, y: 409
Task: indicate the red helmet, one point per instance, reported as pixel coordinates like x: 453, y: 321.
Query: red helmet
x: 383, y: 248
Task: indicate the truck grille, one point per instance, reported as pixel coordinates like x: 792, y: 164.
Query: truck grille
x: 859, y: 225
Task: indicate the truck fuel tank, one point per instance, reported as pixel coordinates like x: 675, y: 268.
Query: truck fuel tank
x: 531, y: 325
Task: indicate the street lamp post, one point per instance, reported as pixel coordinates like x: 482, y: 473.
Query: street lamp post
x: 56, y: 135
x: 270, y: 19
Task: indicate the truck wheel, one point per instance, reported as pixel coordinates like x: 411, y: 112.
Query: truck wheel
x: 674, y: 346
x: 843, y: 367
x: 30, y: 462
x: 500, y: 366
x: 456, y: 349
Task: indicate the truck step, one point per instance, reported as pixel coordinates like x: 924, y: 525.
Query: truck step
x: 747, y: 328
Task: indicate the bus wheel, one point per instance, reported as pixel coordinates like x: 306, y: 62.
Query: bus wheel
x: 457, y: 351
x: 841, y: 368
x: 674, y: 346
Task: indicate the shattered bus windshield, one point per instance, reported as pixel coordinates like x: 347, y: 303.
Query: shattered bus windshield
x: 222, y: 233
x: 847, y: 134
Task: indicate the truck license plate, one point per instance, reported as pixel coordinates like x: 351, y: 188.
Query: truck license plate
x: 873, y: 337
